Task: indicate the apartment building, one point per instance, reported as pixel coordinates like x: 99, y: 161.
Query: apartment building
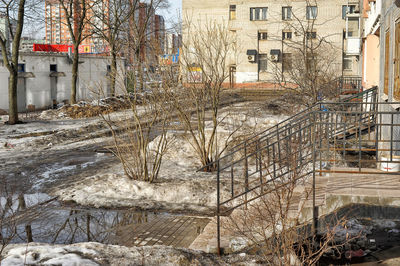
x: 268, y: 34
x: 5, y: 29
x: 57, y: 31
x: 146, y: 38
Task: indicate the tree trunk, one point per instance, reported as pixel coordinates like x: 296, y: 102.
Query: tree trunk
x: 12, y: 98
x: 74, y: 84
x: 113, y: 71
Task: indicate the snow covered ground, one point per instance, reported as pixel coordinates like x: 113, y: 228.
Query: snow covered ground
x: 179, y: 186
x: 92, y: 253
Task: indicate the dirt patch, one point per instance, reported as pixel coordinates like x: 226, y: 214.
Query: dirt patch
x: 95, y: 108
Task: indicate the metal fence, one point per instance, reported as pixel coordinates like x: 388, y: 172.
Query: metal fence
x: 358, y: 131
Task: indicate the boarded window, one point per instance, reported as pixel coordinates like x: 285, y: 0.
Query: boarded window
x: 396, y: 88
x: 386, y: 85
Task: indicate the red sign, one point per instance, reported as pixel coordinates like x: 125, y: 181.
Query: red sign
x: 57, y: 48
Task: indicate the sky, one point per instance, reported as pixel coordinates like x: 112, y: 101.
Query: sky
x: 173, y: 13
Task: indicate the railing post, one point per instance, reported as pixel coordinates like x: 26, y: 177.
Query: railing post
x: 218, y: 213
x: 246, y: 174
x: 232, y: 186
x: 315, y: 214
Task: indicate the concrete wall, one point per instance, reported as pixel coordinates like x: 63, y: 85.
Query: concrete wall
x: 328, y: 25
x: 92, y: 79
x: 371, y: 61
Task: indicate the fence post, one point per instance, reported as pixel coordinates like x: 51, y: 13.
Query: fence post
x: 218, y: 212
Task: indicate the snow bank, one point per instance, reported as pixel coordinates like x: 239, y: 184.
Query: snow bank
x: 116, y: 190
x: 92, y: 253
x: 34, y: 254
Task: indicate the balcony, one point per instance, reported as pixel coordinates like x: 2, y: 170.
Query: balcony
x: 372, y: 22
x: 352, y: 46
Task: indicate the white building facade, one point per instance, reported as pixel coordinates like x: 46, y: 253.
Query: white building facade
x: 45, y: 77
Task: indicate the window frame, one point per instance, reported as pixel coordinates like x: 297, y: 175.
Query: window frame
x: 254, y: 14
x: 232, y: 12
x: 263, y: 62
x: 286, y: 15
x: 347, y: 58
x: 286, y: 32
x: 309, y: 12
x: 262, y: 34
x: 311, y: 35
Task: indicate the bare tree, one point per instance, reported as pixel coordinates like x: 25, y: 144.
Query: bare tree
x: 141, y: 28
x: 77, y: 16
x: 14, y: 15
x: 309, y: 68
x: 140, y: 141
x: 276, y: 223
x: 205, y: 59
x: 110, y: 23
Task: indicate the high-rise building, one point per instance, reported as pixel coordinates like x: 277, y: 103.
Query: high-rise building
x: 57, y: 31
x: 146, y: 37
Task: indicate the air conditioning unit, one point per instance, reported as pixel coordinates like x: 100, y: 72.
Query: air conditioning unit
x: 251, y: 55
x: 251, y: 58
x: 274, y: 58
x: 274, y: 55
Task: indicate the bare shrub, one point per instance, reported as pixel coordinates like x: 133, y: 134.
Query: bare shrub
x: 204, y: 61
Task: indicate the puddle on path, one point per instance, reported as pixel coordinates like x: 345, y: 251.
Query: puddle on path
x: 35, y: 174
x: 54, y: 223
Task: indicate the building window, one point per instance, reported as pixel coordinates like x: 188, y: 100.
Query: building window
x: 348, y: 9
x: 258, y: 13
x: 232, y: 12
x: 286, y: 62
x: 286, y: 13
x: 53, y: 68
x: 311, y: 34
x: 311, y: 12
x: 311, y: 63
x: 262, y: 35
x: 347, y: 63
x: 21, y: 67
x: 263, y: 62
x: 286, y: 35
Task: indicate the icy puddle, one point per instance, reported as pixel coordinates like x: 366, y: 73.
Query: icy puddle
x: 53, y: 223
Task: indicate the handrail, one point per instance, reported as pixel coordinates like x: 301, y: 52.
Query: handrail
x: 275, y: 128
x: 299, y: 142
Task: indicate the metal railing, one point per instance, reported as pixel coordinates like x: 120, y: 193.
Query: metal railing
x: 309, y: 143
x: 350, y: 85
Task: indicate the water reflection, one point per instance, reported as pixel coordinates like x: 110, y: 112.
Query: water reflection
x: 53, y: 223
